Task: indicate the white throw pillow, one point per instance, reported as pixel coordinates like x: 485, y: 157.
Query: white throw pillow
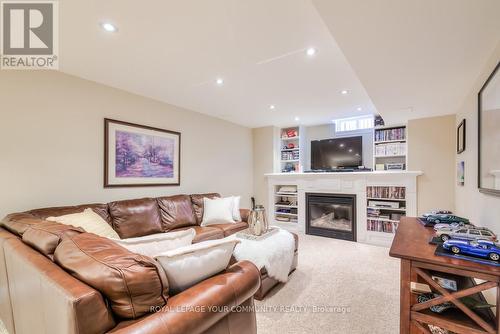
x: 89, y: 221
x: 236, y: 208
x: 189, y: 265
x: 217, y: 211
x: 154, y: 244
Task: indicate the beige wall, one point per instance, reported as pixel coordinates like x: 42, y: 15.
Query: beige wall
x: 482, y: 209
x: 431, y: 146
x: 264, y: 160
x: 51, y: 143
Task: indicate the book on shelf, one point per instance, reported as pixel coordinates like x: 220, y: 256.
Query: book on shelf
x: 390, y: 134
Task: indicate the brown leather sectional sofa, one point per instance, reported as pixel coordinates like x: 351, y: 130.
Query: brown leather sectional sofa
x: 38, y: 295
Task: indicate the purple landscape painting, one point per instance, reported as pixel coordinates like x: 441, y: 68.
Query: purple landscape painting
x: 144, y: 156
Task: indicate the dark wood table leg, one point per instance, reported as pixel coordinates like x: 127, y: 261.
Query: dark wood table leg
x: 405, y: 297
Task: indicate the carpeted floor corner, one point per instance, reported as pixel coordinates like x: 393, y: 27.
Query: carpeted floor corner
x: 339, y: 287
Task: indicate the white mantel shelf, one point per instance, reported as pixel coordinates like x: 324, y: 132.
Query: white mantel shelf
x: 354, y: 183
x: 336, y: 174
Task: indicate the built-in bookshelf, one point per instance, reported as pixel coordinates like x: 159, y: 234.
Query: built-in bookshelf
x: 291, y: 149
x: 385, y: 205
x: 390, y: 148
x: 286, y: 203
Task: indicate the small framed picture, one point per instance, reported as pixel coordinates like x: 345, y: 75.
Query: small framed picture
x: 139, y: 156
x: 461, y: 137
x: 461, y: 173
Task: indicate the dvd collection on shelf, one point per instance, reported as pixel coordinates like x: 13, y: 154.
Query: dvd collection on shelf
x: 385, y: 192
x: 390, y: 134
x: 390, y: 149
x: 381, y: 226
x: 380, y: 214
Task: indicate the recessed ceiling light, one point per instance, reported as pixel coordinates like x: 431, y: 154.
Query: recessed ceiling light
x: 297, y: 118
x: 359, y: 108
x: 344, y: 92
x: 108, y: 27
x: 350, y: 150
x: 311, y: 51
x: 219, y: 81
x: 272, y: 107
x: 342, y: 145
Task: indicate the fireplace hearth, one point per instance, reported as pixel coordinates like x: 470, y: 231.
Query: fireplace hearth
x: 331, y: 215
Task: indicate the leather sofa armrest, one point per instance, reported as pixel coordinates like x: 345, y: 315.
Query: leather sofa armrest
x: 198, y: 308
x: 245, y: 213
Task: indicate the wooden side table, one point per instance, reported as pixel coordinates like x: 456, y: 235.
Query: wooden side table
x: 418, y: 262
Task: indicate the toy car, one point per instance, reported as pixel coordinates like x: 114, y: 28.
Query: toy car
x: 452, y: 226
x: 473, y: 233
x: 437, y: 212
x: 480, y: 248
x: 445, y: 218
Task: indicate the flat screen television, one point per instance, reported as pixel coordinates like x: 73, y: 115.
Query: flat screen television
x: 337, y: 153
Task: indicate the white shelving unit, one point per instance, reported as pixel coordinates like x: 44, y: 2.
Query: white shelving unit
x: 285, y: 207
x: 291, y: 149
x: 382, y: 221
x: 390, y: 146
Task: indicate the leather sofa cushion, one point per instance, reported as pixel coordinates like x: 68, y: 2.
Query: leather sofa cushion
x: 135, y: 218
x: 18, y: 227
x: 197, y: 201
x: 231, y: 228
x: 176, y: 211
x: 204, y: 233
x: 134, y: 284
x: 45, y: 236
x: 100, y: 209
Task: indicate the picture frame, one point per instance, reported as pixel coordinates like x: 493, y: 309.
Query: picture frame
x: 140, y: 156
x: 461, y: 137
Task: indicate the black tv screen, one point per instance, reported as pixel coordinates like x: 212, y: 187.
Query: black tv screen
x: 337, y: 153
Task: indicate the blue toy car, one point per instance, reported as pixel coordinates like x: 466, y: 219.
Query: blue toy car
x: 445, y: 218
x: 479, y: 248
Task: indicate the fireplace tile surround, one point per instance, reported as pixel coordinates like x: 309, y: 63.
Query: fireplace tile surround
x: 354, y: 184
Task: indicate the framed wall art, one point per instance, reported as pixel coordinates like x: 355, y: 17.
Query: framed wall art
x: 139, y: 156
x: 461, y: 137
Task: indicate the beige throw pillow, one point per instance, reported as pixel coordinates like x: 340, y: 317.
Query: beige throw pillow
x: 89, y: 221
x: 189, y: 265
x: 152, y: 245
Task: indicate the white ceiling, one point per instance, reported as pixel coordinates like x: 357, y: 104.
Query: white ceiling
x: 174, y: 50
x: 416, y: 58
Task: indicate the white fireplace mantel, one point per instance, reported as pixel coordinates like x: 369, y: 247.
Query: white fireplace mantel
x: 345, y: 183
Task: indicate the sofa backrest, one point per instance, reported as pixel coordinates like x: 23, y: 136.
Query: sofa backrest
x: 176, y: 211
x: 35, y: 283
x: 136, y: 217
x: 99, y: 208
x: 129, y: 218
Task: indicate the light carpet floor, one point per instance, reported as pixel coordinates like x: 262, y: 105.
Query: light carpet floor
x: 357, y: 284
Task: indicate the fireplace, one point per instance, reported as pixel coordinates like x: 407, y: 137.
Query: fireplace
x: 331, y: 215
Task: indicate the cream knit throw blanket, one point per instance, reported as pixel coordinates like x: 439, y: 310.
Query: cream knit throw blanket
x: 275, y: 253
